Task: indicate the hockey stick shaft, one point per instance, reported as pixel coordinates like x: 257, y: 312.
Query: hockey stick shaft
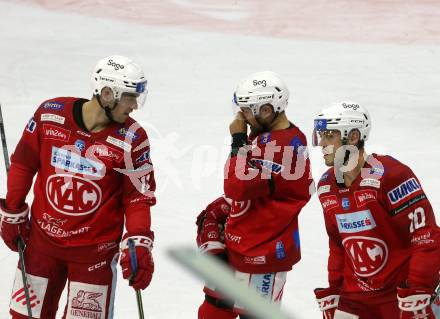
x: 20, y: 242
x: 4, y: 145
x: 134, y: 268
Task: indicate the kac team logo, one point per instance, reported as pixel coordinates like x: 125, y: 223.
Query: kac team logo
x: 368, y: 255
x: 73, y: 195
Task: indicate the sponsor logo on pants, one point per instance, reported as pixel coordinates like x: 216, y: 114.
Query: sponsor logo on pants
x: 87, y: 301
x: 37, y: 289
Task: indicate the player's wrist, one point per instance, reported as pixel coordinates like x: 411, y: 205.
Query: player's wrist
x: 13, y: 216
x: 139, y: 241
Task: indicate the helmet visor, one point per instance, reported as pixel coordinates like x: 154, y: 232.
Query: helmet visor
x: 138, y: 96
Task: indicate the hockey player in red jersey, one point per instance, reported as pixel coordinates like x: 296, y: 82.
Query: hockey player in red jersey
x: 93, y: 171
x: 384, y: 243
x: 267, y: 182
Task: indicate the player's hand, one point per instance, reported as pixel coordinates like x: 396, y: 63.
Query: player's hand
x: 415, y: 303
x: 210, y: 227
x: 139, y: 278
x: 14, y: 223
x: 327, y: 299
x: 238, y: 125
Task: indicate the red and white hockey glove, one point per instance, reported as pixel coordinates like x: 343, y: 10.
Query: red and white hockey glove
x: 327, y: 299
x: 210, y: 227
x: 141, y: 277
x: 14, y: 223
x: 415, y: 303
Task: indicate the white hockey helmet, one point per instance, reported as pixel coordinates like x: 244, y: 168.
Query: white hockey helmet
x: 344, y: 117
x: 121, y: 75
x: 259, y: 89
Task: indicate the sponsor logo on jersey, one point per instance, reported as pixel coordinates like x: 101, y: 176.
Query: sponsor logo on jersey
x: 144, y: 157
x: 355, y: 222
x: 54, y: 230
x: 345, y: 203
x: 125, y: 132
x: 74, y: 163
x: 268, y: 165
x: 329, y: 202
x: 49, y: 117
x: 56, y: 106
x: 407, y: 204
x: 118, y: 143
x: 365, y: 196
x: 280, y: 253
x: 422, y: 239
x: 323, y: 189
x: 83, y: 133
x: 370, y: 182
x: 73, y: 195
x: 53, y: 132
x: 404, y: 190
x: 257, y: 260
x: 37, y: 289
x: 80, y: 145
x: 31, y: 125
x: 87, y: 300
x: 376, y: 170
x: 107, y: 152
x: 106, y: 246
x: 233, y: 238
x: 265, y: 138
x: 368, y: 255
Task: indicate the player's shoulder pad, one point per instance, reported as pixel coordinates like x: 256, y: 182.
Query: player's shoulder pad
x: 57, y: 105
x: 393, y: 168
x: 326, y: 177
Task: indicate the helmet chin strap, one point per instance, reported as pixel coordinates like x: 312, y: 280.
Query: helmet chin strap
x: 107, y: 109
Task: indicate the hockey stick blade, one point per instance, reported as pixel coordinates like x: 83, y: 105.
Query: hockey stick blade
x: 217, y: 274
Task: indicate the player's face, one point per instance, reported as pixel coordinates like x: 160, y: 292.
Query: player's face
x: 330, y: 141
x: 263, y: 119
x: 127, y: 104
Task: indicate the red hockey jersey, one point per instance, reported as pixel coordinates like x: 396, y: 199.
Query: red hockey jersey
x: 382, y: 231
x: 86, y: 183
x: 267, y: 186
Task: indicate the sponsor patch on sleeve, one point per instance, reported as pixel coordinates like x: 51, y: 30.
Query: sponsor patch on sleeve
x: 31, y: 126
x: 49, y: 117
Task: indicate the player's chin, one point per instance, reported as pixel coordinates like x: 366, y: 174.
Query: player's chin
x: 329, y: 161
x: 121, y: 119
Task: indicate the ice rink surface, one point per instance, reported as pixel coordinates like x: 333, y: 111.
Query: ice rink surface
x: 383, y: 54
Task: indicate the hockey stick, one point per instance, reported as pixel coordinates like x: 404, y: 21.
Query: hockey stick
x: 220, y: 276
x: 20, y: 242
x: 134, y: 268
x: 5, y: 146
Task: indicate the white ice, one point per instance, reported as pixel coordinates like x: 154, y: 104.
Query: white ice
x: 191, y: 76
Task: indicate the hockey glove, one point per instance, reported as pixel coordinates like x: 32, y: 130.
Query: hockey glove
x: 328, y: 299
x: 13, y: 224
x: 415, y: 303
x: 210, y: 227
x: 141, y: 277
